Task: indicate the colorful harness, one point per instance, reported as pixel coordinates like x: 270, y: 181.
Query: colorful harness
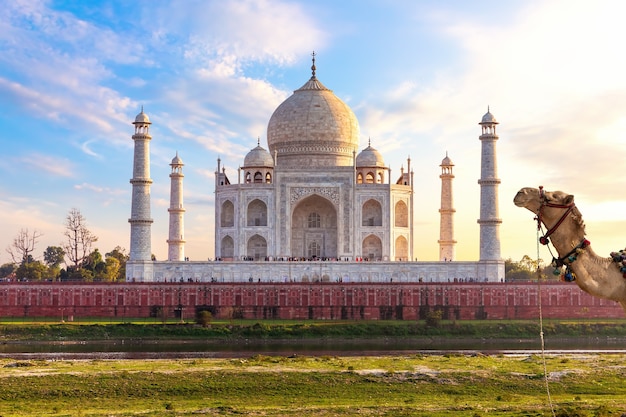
x: 565, y: 261
x: 620, y: 259
x: 571, y: 256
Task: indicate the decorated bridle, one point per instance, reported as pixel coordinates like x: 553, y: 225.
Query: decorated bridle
x: 571, y: 256
x: 545, y: 203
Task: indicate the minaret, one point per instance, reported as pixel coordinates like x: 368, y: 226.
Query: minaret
x: 176, y: 242
x: 140, y: 220
x: 446, y: 224
x: 489, y: 220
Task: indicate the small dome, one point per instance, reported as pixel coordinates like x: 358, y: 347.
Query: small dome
x: 177, y: 160
x: 142, y: 118
x: 258, y: 157
x: 447, y: 161
x: 369, y: 157
x: 489, y: 118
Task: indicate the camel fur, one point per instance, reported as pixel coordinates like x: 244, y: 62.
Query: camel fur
x: 595, y: 275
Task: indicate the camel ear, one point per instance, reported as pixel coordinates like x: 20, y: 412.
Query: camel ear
x: 569, y: 199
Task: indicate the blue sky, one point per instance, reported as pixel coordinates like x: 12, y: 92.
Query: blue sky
x: 419, y: 75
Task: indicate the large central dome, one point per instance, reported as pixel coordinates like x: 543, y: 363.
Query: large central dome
x: 313, y: 128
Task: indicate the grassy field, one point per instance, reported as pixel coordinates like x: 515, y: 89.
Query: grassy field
x: 438, y: 385
x: 277, y: 329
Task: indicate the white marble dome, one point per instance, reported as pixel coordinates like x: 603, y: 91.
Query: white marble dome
x: 258, y: 157
x: 369, y: 157
x: 488, y: 118
x: 313, y: 128
x: 142, y: 118
x: 176, y: 160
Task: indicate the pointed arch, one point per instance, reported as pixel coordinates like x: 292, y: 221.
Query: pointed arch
x: 372, y: 213
x: 372, y: 248
x: 227, y: 215
x: 257, y: 247
x: 402, y: 249
x: 257, y: 213
x: 228, y: 247
x: 401, y: 214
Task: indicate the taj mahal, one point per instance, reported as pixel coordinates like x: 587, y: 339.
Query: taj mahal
x: 312, y: 207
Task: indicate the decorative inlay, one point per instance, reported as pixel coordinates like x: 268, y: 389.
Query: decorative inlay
x: 331, y: 193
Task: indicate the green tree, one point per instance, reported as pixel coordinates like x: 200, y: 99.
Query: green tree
x: 31, y: 271
x: 111, y: 270
x: 204, y: 318
x: 54, y: 256
x: 94, y: 262
x: 524, y: 270
x: 120, y: 254
x: 7, y: 269
x: 79, y: 274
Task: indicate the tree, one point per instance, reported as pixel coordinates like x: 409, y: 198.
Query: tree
x: 524, y: 270
x: 7, y: 269
x: 23, y: 245
x: 94, y: 261
x: 78, y: 238
x: 54, y: 256
x: 31, y: 271
x: 80, y: 274
x: 120, y: 254
x: 111, y: 270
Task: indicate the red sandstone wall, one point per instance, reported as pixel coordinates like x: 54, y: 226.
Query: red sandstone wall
x: 353, y: 301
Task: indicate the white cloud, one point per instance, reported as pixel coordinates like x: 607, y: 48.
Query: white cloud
x: 46, y: 164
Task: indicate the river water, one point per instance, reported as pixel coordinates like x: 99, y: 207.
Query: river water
x: 132, y: 349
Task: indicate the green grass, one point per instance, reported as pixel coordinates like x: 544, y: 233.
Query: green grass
x: 282, y: 329
x: 441, y: 385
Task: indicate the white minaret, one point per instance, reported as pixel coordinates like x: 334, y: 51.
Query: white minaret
x: 176, y: 242
x: 489, y: 220
x: 140, y: 220
x: 446, y: 223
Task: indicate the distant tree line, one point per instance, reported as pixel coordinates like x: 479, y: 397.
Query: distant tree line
x: 528, y: 269
x: 75, y: 253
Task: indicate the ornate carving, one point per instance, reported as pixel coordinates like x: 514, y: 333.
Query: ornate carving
x: 330, y: 193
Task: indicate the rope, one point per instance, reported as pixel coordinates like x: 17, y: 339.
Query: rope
x: 543, y: 346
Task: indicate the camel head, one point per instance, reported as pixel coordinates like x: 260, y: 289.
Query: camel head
x: 550, y: 203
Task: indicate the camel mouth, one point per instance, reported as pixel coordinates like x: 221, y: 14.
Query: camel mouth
x: 520, y: 199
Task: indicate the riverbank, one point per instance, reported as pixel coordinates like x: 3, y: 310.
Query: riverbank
x: 302, y: 330
x: 425, y: 385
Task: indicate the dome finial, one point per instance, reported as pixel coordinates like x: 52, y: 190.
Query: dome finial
x: 258, y: 141
x: 369, y: 141
x: 313, y: 66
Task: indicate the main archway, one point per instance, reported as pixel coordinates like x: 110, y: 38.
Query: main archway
x: 314, y: 229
